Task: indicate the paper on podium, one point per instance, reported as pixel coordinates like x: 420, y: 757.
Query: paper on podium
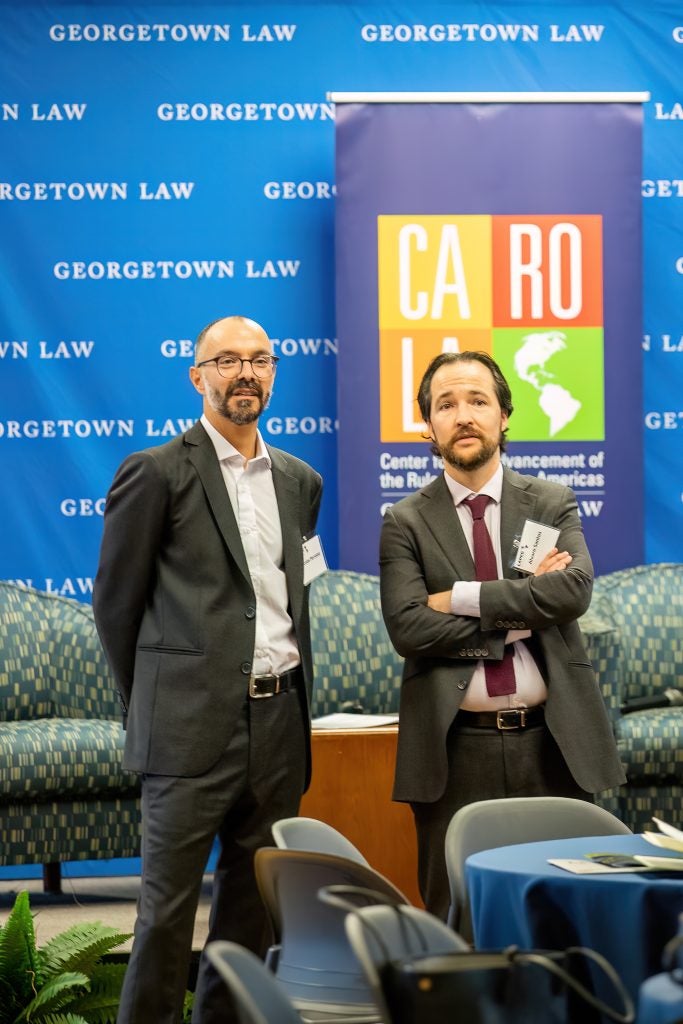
x: 347, y: 720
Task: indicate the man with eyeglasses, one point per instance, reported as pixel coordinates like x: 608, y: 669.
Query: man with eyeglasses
x: 201, y: 607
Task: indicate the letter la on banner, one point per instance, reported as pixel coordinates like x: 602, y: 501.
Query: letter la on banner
x: 512, y: 227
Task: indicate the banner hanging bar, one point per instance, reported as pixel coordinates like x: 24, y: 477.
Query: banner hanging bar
x: 488, y: 97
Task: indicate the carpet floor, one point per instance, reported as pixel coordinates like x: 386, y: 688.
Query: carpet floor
x: 109, y: 900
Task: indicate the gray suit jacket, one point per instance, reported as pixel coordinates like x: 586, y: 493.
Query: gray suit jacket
x: 174, y: 602
x: 423, y: 551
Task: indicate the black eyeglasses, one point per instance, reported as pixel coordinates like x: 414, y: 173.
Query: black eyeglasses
x: 231, y: 366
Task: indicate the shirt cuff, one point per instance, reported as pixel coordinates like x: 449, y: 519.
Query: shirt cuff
x: 465, y: 598
x: 513, y: 635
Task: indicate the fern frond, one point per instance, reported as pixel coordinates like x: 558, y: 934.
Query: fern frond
x: 55, y: 994
x: 63, y: 1018
x: 101, y: 1003
x: 9, y: 1003
x: 79, y: 948
x: 18, y: 956
x: 187, y: 1007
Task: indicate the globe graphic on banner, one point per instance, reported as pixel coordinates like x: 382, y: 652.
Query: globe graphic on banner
x: 533, y: 363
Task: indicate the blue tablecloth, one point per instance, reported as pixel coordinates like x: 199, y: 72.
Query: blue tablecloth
x: 518, y: 898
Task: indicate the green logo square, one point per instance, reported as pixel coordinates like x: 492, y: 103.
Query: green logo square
x: 557, y: 381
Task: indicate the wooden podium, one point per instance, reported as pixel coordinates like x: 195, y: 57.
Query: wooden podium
x: 353, y: 774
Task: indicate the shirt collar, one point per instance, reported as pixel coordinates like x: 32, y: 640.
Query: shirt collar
x: 227, y: 451
x: 492, y: 487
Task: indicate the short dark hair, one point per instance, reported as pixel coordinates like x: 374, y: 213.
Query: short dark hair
x: 503, y: 393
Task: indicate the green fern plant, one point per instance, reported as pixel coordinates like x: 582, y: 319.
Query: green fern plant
x: 63, y: 982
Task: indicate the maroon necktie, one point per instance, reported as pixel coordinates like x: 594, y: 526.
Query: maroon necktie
x: 500, y: 675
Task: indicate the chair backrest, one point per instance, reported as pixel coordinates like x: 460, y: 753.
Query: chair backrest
x: 52, y: 664
x: 256, y: 993
x: 377, y: 935
x: 316, y: 964
x: 314, y: 835
x: 488, y: 824
x: 353, y: 657
x: 645, y: 605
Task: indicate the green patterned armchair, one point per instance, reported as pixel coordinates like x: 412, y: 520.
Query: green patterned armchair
x: 634, y: 632
x: 353, y: 658
x: 63, y: 794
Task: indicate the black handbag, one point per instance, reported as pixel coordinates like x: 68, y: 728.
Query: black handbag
x: 509, y: 986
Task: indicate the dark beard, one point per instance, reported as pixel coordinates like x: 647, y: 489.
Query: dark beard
x: 243, y: 414
x: 474, y: 461
x: 245, y: 411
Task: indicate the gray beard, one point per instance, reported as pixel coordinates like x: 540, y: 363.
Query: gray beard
x: 244, y: 413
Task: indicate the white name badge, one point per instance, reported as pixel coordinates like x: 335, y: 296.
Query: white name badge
x: 314, y: 559
x: 534, y: 544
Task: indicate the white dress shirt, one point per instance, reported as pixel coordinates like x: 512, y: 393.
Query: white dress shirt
x: 531, y: 687
x: 250, y: 489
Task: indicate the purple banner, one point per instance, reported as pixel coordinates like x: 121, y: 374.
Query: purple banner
x: 513, y: 228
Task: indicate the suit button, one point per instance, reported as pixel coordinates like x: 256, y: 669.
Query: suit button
x: 499, y: 624
x: 463, y: 684
x: 477, y: 652
x: 470, y: 653
x: 462, y: 654
x: 246, y: 668
x: 485, y: 652
x: 250, y: 612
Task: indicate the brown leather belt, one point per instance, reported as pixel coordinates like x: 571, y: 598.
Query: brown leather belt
x: 509, y: 718
x: 273, y: 684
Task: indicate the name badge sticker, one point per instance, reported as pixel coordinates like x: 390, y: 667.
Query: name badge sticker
x: 315, y: 563
x: 536, y: 541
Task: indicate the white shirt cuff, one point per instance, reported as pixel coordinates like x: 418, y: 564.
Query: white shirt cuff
x: 465, y: 598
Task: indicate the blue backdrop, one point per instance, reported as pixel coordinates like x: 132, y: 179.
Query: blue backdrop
x: 165, y: 164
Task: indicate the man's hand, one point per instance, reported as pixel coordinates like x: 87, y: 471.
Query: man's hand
x: 553, y: 562
x: 440, y: 602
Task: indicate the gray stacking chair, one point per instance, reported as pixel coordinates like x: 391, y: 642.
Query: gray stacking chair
x: 488, y: 824
x: 377, y: 935
x: 315, y: 963
x: 318, y: 836
x: 256, y: 994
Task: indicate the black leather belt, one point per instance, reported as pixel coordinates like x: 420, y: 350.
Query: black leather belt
x: 271, y: 685
x: 509, y: 718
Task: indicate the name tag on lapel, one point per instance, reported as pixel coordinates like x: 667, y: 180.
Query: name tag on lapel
x: 534, y: 544
x: 314, y: 559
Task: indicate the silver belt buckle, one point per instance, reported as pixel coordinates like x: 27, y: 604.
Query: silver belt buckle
x: 260, y: 696
x: 518, y: 714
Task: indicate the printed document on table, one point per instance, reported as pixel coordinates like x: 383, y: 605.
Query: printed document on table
x: 670, y: 839
x: 347, y: 720
x: 588, y: 867
x: 660, y: 863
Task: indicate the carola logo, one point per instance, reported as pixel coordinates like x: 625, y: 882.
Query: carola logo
x: 526, y: 289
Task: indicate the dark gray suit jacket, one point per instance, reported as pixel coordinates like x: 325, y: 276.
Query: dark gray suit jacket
x: 174, y: 602
x: 423, y: 551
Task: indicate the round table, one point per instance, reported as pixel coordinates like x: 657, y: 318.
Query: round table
x: 518, y: 898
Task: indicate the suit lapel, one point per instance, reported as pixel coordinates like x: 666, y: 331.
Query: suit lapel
x: 517, y: 505
x: 438, y: 512
x: 287, y: 494
x: 202, y: 454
